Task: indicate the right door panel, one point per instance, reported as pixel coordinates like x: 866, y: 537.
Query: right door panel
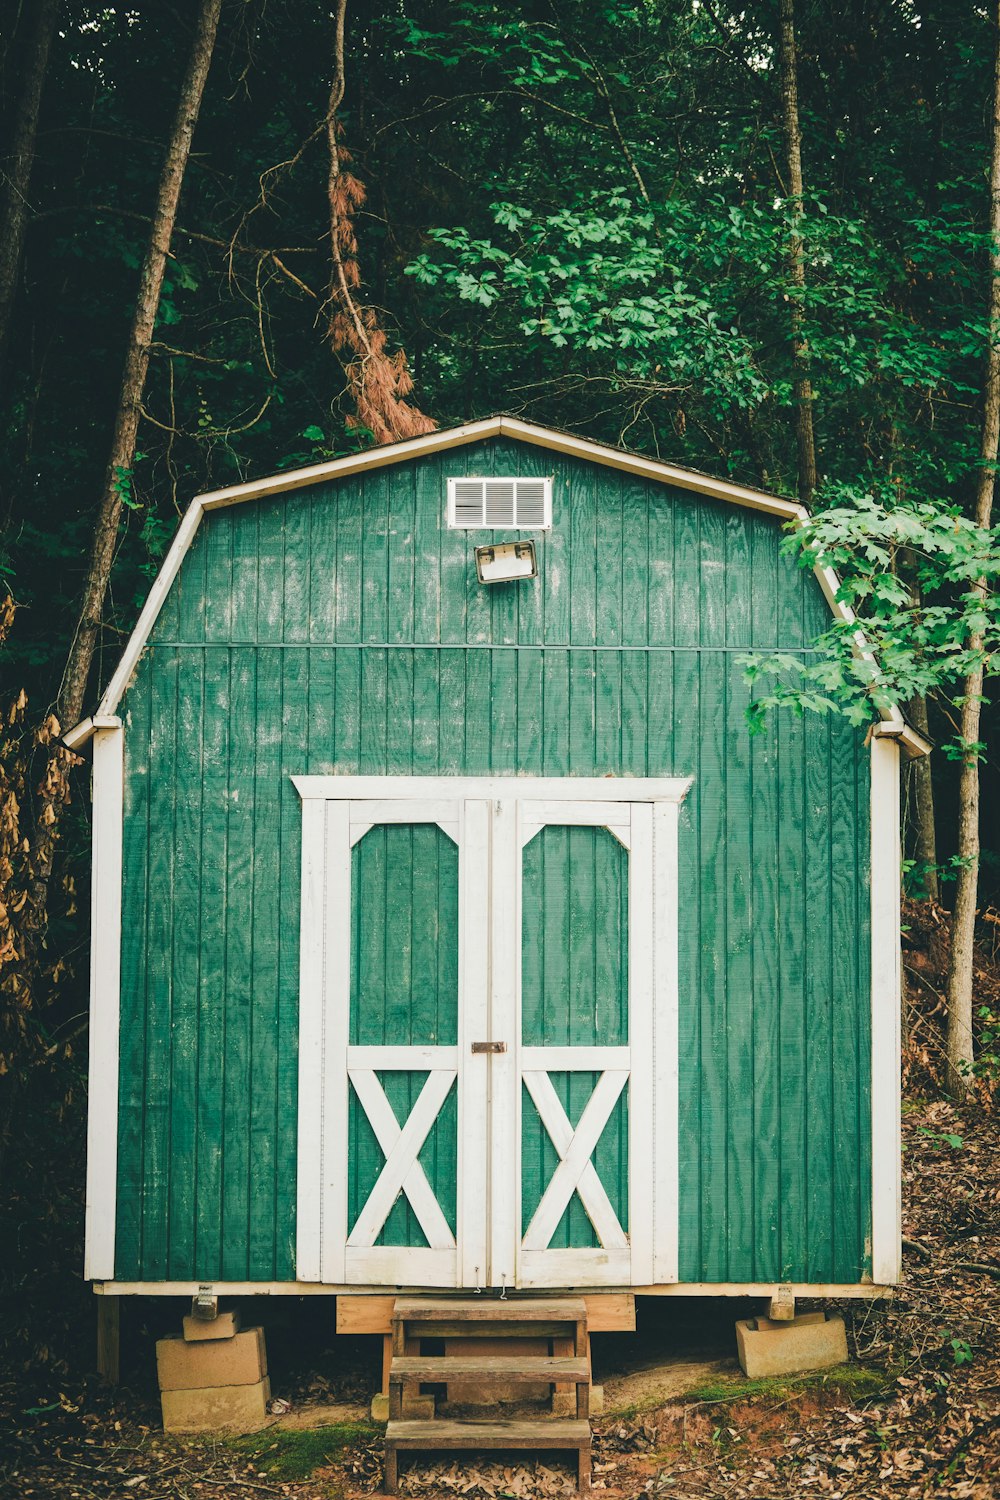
x: 585, y: 1059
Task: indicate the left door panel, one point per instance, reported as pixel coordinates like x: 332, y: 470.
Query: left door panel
x: 387, y: 991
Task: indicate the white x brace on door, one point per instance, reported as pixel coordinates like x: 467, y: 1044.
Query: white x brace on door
x: 534, y: 1144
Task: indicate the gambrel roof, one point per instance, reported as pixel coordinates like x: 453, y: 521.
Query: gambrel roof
x: 891, y: 722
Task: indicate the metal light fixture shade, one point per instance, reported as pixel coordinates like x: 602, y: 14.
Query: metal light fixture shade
x: 505, y: 562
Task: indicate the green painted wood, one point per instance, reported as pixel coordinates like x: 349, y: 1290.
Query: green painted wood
x: 765, y: 1078
x: 739, y: 958
x: 134, y: 976
x: 280, y: 722
x: 156, y: 1152
x: 574, y: 992
x: 212, y: 965
x: 404, y: 992
x: 183, y: 1094
x: 820, y: 1146
x: 246, y: 666
x: 301, y: 634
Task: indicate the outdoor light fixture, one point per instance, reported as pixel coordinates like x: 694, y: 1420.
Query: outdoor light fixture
x: 502, y: 562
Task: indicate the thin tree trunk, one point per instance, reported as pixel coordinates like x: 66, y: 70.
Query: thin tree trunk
x: 925, y: 839
x: 802, y: 383
x: 963, y: 931
x: 17, y: 173
x: 122, y: 456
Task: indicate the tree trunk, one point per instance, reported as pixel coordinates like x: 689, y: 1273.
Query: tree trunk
x: 17, y: 173
x: 963, y: 931
x: 802, y: 383
x: 118, y: 474
x: 925, y: 839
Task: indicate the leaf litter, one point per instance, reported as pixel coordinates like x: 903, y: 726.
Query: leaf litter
x: 926, y: 1424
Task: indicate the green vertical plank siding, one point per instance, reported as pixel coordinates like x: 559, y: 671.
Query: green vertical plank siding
x: 404, y: 987
x: 340, y: 630
x: 574, y: 948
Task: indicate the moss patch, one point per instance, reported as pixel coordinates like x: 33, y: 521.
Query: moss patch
x: 854, y: 1381
x: 292, y: 1454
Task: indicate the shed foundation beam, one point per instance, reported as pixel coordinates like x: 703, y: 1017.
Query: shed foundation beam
x: 109, y: 1339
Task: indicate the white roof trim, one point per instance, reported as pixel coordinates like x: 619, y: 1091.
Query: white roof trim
x: 436, y: 442
x: 912, y: 741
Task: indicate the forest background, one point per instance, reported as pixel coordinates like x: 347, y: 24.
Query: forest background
x: 760, y: 242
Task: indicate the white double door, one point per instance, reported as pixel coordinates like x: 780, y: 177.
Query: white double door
x: 488, y: 1032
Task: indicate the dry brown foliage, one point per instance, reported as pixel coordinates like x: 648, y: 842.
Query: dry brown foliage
x: 29, y: 817
x: 379, y: 382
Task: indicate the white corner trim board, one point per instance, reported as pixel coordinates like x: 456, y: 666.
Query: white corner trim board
x: 886, y: 1001
x: 434, y: 442
x: 105, y: 998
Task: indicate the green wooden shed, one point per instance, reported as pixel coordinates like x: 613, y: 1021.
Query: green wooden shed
x: 452, y: 933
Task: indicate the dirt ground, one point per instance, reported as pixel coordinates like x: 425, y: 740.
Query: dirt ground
x: 916, y: 1413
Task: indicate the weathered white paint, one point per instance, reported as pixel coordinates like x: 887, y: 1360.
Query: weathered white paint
x: 402, y: 1172
x: 864, y: 1290
x: 435, y: 442
x: 492, y: 817
x: 534, y: 789
x: 105, y: 1001
x: 886, y: 1005
x: 666, y: 1045
x: 575, y: 1172
x: 472, y: 1206
x: 310, y: 1101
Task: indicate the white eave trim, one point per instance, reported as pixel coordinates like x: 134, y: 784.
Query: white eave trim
x: 435, y: 442
x: 910, y: 740
x: 88, y: 727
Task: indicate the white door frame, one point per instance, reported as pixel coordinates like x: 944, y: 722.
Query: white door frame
x: 490, y: 818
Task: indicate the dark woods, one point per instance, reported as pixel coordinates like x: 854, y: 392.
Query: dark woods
x: 241, y: 235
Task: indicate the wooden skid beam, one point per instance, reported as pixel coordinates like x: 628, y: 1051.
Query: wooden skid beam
x: 503, y: 1367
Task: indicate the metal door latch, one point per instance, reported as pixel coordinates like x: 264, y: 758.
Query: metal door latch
x: 489, y: 1047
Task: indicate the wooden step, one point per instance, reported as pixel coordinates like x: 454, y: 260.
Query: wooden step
x: 527, y: 1370
x: 548, y: 1433
x: 540, y: 1437
x: 489, y: 1310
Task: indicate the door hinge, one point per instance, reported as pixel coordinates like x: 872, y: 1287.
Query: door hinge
x: 489, y: 1046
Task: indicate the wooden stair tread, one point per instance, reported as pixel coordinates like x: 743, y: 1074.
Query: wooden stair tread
x: 501, y: 1433
x: 489, y: 1310
x: 526, y: 1368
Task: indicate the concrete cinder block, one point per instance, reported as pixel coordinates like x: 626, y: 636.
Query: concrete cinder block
x: 217, y: 1408
x: 415, y: 1408
x: 225, y: 1326
x: 811, y: 1341
x: 241, y: 1360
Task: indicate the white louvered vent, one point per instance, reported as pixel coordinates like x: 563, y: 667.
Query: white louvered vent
x: 525, y: 504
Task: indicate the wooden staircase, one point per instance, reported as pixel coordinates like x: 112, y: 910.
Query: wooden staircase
x: 556, y: 1318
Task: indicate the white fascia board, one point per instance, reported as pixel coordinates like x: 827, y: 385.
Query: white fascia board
x: 651, y: 468
x: 912, y: 742
x: 105, y: 1002
x: 522, y: 788
x: 867, y: 1290
x: 436, y: 442
x: 107, y: 710
x: 339, y: 468
x: 84, y: 731
x: 886, y: 1001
